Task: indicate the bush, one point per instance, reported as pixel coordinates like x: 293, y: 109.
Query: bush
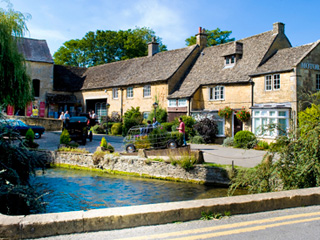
x: 245, y: 139
x: 103, y: 143
x: 228, y: 142
x: 161, y: 115
x: 262, y: 145
x: 30, y: 135
x: 97, y: 129
x: 131, y: 118
x: 168, y: 126
x: 207, y: 128
x: 65, y: 137
x: 197, y: 139
x: 97, y: 157
x: 189, y: 122
x: 116, y: 129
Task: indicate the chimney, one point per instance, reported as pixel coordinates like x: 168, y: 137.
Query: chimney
x: 202, y: 38
x: 153, y: 47
x: 278, y: 28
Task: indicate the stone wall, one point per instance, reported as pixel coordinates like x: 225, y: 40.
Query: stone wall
x: 144, y: 167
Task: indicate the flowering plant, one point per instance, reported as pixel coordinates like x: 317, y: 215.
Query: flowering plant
x: 243, y: 115
x: 225, y: 112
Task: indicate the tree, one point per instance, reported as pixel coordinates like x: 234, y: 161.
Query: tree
x: 15, y: 84
x: 215, y: 37
x: 101, y: 47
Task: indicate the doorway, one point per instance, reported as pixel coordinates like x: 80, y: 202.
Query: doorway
x: 237, y: 125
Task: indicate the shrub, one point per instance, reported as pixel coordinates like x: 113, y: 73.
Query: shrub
x: 97, y: 157
x: 110, y: 148
x: 161, y: 115
x: 207, y: 128
x: 185, y: 161
x: 189, y: 122
x: 228, y: 142
x: 28, y: 142
x: 74, y: 150
x: 142, y: 143
x: 116, y: 129
x: 197, y: 139
x: 97, y: 129
x: 30, y: 135
x: 262, y: 145
x: 103, y: 143
x: 167, y: 126
x: 65, y: 137
x: 131, y: 118
x: 245, y: 139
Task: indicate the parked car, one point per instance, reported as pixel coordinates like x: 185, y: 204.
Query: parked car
x: 21, y: 127
x: 78, y: 129
x: 151, y: 138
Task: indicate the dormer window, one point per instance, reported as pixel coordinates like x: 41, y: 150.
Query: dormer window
x: 230, y: 60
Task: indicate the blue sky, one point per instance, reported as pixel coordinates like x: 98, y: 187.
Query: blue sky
x: 58, y: 21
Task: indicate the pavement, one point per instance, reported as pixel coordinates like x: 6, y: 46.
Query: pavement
x: 213, y: 153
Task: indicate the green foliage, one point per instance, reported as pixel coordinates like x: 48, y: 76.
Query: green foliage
x: 30, y: 135
x: 185, y: 161
x: 161, y: 115
x: 131, y: 118
x: 107, y: 46
x: 215, y: 37
x: 243, y: 115
x: 65, y: 137
x: 103, y: 142
x: 245, y: 139
x: 262, y: 145
x: 189, y: 122
x: 167, y: 126
x: 207, y: 128
x: 116, y: 129
x: 225, y: 112
x: 228, y: 142
x: 142, y: 143
x: 73, y: 150
x: 308, y: 118
x: 210, y: 216
x: 15, y: 83
x: 98, y: 129
x: 197, y: 139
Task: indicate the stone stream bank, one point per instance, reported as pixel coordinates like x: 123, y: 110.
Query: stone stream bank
x: 138, y: 166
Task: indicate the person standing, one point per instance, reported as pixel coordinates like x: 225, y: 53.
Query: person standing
x: 35, y: 112
x: 155, y: 123
x: 181, y: 129
x: 61, y: 117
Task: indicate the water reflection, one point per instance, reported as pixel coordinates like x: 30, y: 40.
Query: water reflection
x: 73, y: 190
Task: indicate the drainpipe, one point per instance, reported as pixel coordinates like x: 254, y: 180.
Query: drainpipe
x: 121, y: 103
x: 252, y: 92
x: 189, y: 106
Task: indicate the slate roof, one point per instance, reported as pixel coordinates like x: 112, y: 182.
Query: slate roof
x: 68, y: 78
x: 210, y: 66
x: 34, y: 50
x: 284, y: 59
x: 159, y: 67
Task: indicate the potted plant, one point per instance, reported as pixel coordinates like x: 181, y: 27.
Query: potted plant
x: 225, y: 112
x: 243, y: 115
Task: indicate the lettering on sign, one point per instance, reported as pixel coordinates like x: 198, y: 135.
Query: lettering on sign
x: 310, y: 66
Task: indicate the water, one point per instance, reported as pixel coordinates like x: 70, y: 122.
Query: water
x: 73, y: 190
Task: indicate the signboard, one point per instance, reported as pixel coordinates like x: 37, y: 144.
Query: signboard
x: 9, y: 110
x: 29, y: 109
x: 42, y: 109
x: 310, y: 66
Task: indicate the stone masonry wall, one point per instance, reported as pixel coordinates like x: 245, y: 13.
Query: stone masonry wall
x: 133, y: 165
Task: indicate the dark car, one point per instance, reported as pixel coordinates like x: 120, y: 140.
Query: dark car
x: 21, y: 127
x: 78, y: 129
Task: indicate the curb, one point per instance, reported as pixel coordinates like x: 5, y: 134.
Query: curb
x: 42, y: 225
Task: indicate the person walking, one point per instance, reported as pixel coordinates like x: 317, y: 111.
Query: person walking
x: 181, y: 129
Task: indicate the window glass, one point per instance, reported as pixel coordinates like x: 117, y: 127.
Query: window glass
x: 172, y: 102
x: 276, y: 81
x: 147, y: 91
x: 182, y: 102
x: 282, y: 113
x: 317, y: 82
x: 272, y: 113
x: 282, y: 126
x: 268, y: 85
x: 257, y: 126
x: 115, y: 93
x: 256, y: 113
x: 130, y: 92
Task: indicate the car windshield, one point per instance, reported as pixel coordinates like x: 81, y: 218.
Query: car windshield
x: 13, y: 122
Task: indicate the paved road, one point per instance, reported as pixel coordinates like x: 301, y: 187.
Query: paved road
x: 212, y: 153
x: 293, y: 224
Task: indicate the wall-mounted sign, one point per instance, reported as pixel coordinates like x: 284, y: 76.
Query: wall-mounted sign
x: 310, y: 66
x: 42, y: 109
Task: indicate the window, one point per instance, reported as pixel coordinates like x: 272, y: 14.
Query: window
x: 270, y: 123
x: 272, y: 82
x: 115, y: 93
x: 147, y: 91
x: 230, y: 61
x: 317, y: 82
x: 220, y: 122
x: 130, y: 92
x: 172, y: 102
x: 182, y: 102
x: 216, y: 93
x: 100, y: 109
x: 36, y: 87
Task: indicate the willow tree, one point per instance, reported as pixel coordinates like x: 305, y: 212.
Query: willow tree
x: 15, y: 84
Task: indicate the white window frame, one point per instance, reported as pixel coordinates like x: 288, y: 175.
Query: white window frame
x: 182, y: 102
x: 147, y: 91
x: 130, y: 92
x: 172, y: 102
x: 216, y: 93
x: 115, y: 94
x: 265, y: 117
x: 272, y: 82
x: 318, y: 82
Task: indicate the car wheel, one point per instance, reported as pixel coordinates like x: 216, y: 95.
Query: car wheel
x: 90, y: 136
x: 37, y: 135
x: 130, y: 148
x: 172, y: 144
x: 84, y: 140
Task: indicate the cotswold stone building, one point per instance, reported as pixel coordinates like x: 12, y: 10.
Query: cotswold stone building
x: 262, y: 74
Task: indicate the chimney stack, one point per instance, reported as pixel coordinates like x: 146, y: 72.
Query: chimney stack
x: 202, y: 38
x: 278, y: 28
x: 153, y: 47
